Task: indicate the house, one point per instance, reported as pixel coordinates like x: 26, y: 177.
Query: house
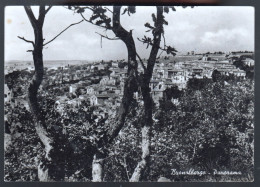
x: 93, y: 100
x: 73, y: 88
x: 222, y: 63
x: 104, y: 80
x: 178, y: 79
x: 111, y: 87
x: 101, y: 99
x: 171, y: 73
x: 8, y: 94
x: 115, y: 64
x: 225, y: 71
x: 197, y: 72
x: 107, y: 81
x: 248, y: 61
x: 239, y: 73
x: 90, y: 90
x: 100, y: 67
x: 98, y: 99
x: 117, y: 91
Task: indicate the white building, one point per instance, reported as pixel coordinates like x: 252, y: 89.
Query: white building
x: 73, y: 88
x: 8, y: 93
x: 249, y: 62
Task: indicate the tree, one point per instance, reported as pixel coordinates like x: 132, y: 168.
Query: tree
x: 216, y: 75
x: 131, y: 82
x: 47, y: 170
x: 144, y: 80
x: 207, y: 128
x: 134, y: 80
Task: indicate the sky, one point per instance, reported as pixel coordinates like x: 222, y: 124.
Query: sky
x: 200, y: 29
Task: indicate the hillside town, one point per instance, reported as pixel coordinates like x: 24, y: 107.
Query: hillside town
x: 102, y: 83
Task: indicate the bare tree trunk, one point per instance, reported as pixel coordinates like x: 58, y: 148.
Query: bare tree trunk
x: 97, y: 168
x: 146, y: 131
x: 146, y: 136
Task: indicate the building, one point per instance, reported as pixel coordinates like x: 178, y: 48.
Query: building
x: 73, y: 88
x: 248, y: 61
x: 8, y: 94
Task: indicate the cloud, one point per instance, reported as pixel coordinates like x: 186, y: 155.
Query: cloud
x: 200, y: 28
x: 225, y: 39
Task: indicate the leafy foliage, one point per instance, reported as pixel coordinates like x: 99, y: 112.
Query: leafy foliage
x: 130, y: 10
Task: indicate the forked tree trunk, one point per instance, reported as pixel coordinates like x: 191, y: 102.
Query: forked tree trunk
x: 48, y: 169
x: 148, y: 101
x: 129, y: 88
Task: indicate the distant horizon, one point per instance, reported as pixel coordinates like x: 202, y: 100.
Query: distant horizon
x: 13, y: 60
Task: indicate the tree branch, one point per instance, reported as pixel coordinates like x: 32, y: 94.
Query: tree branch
x: 31, y: 16
x: 62, y: 32
x: 108, y: 10
x: 41, y: 15
x: 105, y: 36
x: 47, y: 10
x: 29, y: 41
x: 92, y: 22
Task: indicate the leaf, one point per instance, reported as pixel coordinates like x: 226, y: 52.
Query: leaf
x: 166, y: 9
x: 125, y: 10
x: 108, y: 20
x: 93, y: 17
x: 132, y: 9
x: 173, y: 8
x: 165, y: 22
x: 154, y: 18
x: 148, y: 25
x: 80, y: 10
x: 99, y: 22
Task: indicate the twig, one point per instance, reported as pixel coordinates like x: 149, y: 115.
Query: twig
x: 142, y: 63
x: 164, y: 44
x: 29, y: 41
x: 160, y: 54
x: 151, y: 43
x: 108, y: 9
x: 105, y: 36
x: 62, y: 32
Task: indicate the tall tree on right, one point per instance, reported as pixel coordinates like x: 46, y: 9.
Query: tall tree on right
x: 144, y: 81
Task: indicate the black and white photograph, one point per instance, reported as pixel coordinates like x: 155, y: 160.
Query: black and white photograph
x: 129, y: 93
